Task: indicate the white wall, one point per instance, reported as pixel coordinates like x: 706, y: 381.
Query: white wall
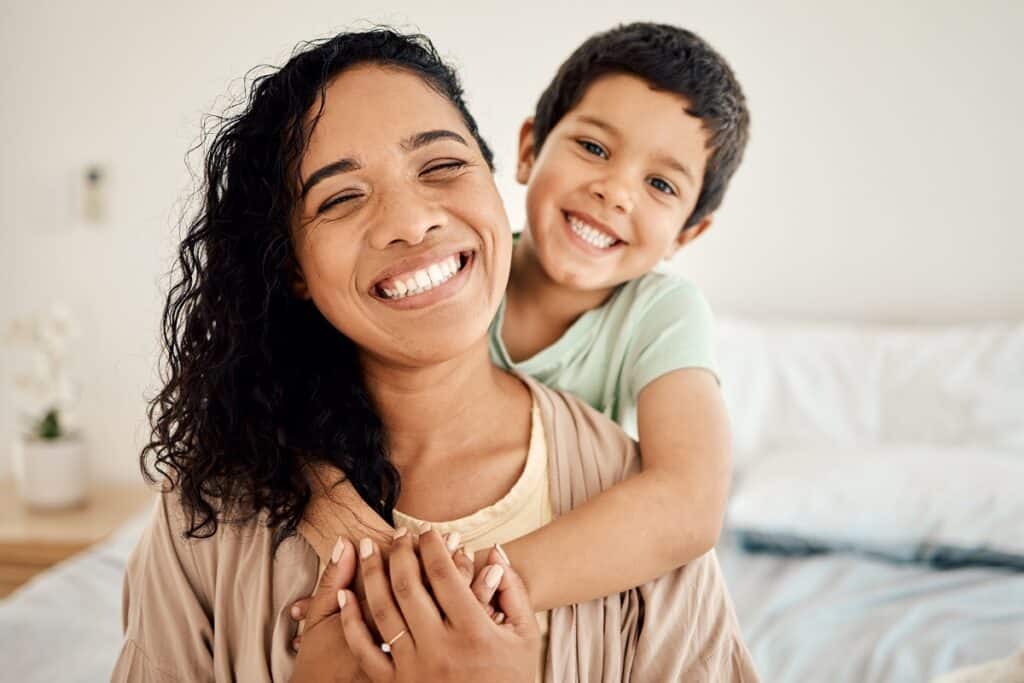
x: 881, y: 183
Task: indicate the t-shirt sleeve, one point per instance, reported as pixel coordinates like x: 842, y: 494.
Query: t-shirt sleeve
x: 675, y: 331
x: 168, y: 627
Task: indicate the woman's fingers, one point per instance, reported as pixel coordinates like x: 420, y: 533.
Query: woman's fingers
x: 379, y: 599
x: 338, y: 574
x: 460, y: 556
x: 449, y: 588
x: 418, y: 608
x: 483, y: 590
x: 515, y: 604
x: 377, y: 665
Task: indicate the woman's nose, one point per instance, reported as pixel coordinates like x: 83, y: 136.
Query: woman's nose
x: 407, y: 219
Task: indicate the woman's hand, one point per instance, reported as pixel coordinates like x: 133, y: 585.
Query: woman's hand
x: 463, y: 561
x: 451, y: 640
x: 325, y: 656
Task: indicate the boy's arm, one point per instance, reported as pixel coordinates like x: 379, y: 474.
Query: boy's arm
x: 651, y: 523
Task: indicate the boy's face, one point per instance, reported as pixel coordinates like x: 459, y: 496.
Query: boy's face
x: 614, y: 183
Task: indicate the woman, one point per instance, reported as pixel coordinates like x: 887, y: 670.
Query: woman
x: 331, y: 324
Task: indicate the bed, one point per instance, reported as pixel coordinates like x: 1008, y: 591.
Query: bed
x: 874, y: 532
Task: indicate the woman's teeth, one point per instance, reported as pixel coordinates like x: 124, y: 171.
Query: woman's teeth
x: 417, y: 282
x: 590, y: 235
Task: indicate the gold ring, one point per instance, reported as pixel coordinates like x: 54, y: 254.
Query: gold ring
x: 386, y: 647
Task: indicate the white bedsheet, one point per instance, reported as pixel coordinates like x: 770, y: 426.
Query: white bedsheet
x: 839, y: 618
x: 847, y: 618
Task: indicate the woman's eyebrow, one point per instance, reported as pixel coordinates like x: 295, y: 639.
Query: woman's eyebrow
x: 334, y: 168
x: 426, y: 137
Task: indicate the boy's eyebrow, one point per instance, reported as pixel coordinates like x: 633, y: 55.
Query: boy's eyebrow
x: 346, y: 165
x: 674, y: 163
x: 666, y: 159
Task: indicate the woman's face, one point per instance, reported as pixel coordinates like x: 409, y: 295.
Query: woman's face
x: 400, y: 234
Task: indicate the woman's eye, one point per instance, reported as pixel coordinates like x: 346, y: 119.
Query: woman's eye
x: 452, y: 165
x: 593, y: 148
x: 335, y: 201
x: 662, y: 186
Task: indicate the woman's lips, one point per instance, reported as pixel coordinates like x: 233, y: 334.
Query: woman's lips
x: 432, y: 294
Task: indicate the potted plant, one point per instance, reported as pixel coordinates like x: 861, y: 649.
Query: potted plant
x: 49, y: 459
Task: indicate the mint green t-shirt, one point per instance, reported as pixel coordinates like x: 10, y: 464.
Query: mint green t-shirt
x: 650, y: 326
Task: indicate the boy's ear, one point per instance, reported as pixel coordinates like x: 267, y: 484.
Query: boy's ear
x: 689, y: 234
x: 524, y: 165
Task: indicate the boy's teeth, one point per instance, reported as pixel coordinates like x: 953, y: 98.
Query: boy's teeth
x: 422, y: 280
x: 589, y: 234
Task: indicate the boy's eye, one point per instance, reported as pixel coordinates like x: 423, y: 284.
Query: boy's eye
x: 593, y: 148
x: 662, y: 186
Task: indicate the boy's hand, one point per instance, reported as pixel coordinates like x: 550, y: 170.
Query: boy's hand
x: 452, y: 640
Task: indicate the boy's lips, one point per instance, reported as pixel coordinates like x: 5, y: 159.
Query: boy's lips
x: 595, y: 224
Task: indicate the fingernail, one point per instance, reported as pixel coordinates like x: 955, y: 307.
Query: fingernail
x: 500, y: 618
x: 365, y: 548
x: 452, y: 541
x: 341, y: 599
x: 296, y: 612
x: 501, y: 553
x: 339, y: 548
x: 494, y: 574
x: 295, y: 644
x: 399, y: 532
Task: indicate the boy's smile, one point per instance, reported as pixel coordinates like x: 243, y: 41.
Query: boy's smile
x: 613, y: 184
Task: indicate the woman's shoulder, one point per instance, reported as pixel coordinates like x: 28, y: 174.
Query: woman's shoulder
x: 205, y: 552
x: 586, y: 448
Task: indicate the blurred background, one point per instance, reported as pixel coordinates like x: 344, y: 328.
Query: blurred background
x: 881, y: 182
x: 878, y: 208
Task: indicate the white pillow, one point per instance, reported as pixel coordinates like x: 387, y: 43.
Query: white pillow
x: 949, y: 505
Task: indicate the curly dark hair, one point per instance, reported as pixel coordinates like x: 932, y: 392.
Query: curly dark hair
x: 670, y: 59
x: 257, y: 384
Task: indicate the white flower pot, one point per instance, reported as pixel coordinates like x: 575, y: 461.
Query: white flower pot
x: 50, y: 474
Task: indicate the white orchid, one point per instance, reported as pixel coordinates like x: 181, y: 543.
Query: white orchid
x: 43, y: 391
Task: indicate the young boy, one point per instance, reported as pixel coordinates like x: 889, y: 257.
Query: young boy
x: 628, y: 155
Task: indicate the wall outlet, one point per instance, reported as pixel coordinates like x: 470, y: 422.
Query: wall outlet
x: 94, y: 199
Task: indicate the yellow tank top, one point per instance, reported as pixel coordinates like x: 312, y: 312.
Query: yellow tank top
x: 526, y: 507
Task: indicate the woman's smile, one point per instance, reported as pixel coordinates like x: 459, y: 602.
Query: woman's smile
x: 424, y: 281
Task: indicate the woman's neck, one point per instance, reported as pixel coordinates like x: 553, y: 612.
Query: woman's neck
x: 433, y: 413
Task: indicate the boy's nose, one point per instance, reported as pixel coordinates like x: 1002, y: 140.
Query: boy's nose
x: 614, y: 194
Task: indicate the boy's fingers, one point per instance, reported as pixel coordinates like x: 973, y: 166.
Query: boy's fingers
x: 515, y: 603
x: 450, y: 590
x: 300, y: 608
x: 377, y: 665
x: 338, y: 574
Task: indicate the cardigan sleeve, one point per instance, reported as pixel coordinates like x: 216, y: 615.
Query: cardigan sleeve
x: 166, y: 611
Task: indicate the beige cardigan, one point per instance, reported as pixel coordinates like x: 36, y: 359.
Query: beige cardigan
x: 680, y: 627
